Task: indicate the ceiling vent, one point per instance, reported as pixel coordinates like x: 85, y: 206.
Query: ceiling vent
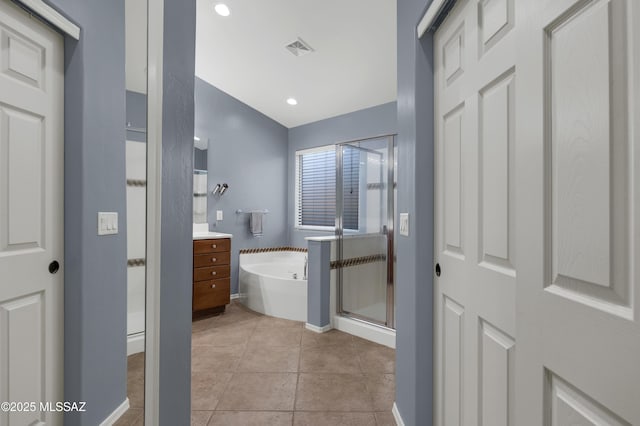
x: 299, y: 47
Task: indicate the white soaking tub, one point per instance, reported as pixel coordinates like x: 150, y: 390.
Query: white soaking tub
x: 273, y: 284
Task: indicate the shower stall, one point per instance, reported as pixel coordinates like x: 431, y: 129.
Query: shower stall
x: 365, y: 206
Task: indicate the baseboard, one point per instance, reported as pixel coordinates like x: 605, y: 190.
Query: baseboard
x: 380, y: 335
x: 117, y: 413
x: 396, y: 415
x: 235, y: 296
x: 317, y: 329
x: 135, y: 343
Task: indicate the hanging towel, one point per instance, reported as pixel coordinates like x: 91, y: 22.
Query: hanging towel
x: 255, y: 224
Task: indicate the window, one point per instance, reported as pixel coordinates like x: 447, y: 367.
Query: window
x: 316, y: 188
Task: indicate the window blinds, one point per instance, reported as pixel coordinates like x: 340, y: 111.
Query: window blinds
x: 317, y: 188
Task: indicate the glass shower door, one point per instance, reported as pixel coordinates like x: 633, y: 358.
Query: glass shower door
x: 364, y: 227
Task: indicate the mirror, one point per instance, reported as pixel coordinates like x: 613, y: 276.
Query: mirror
x: 136, y: 171
x: 200, y: 147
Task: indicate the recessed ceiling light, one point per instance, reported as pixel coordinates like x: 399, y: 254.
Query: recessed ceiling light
x: 292, y: 101
x: 222, y: 9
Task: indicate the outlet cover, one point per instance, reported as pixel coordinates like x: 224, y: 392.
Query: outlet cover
x: 404, y: 224
x: 107, y: 223
x: 219, y: 215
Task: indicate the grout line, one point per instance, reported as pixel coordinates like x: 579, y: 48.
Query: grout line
x: 295, y: 394
x: 211, y: 417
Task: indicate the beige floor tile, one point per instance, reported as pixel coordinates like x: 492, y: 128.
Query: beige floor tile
x: 305, y: 418
x: 206, y: 389
x: 232, y: 335
x: 329, y: 359
x: 273, y: 336
x: 332, y: 392
x: 382, y: 388
x: 385, y: 418
x: 203, y: 324
x: 376, y: 358
x: 267, y: 321
x: 260, y: 391
x: 238, y: 316
x: 129, y: 417
x: 138, y: 421
x: 216, y: 358
x: 200, y: 418
x: 270, y: 359
x: 135, y: 363
x: 251, y: 418
x: 244, y: 367
x: 332, y: 337
x: 135, y: 389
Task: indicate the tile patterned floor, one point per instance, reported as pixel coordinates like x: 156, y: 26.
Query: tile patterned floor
x: 135, y: 391
x: 250, y: 369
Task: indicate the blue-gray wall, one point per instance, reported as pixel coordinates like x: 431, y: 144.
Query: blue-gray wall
x: 377, y: 120
x: 414, y: 279
x: 248, y: 151
x: 136, y: 115
x: 95, y: 355
x: 177, y: 212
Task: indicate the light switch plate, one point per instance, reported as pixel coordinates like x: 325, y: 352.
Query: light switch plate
x: 404, y: 224
x: 107, y: 223
x: 219, y: 215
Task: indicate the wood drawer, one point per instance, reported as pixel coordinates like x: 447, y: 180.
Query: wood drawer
x: 211, y: 294
x: 211, y: 273
x: 211, y: 246
x: 220, y: 258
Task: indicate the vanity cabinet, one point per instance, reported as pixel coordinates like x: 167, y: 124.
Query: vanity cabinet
x: 211, y: 276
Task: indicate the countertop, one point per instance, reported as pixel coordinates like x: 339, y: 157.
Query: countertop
x: 210, y: 235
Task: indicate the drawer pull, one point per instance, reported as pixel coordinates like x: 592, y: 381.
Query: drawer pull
x: 214, y: 246
x: 213, y: 259
x: 213, y: 286
x: 213, y: 273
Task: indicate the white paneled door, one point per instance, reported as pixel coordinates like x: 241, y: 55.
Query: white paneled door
x: 537, y: 305
x: 31, y: 218
x: 475, y: 303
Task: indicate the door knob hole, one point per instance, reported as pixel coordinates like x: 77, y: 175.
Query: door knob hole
x: 53, y: 267
x: 438, y: 271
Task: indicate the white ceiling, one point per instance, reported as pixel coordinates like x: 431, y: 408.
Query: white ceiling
x: 353, y: 65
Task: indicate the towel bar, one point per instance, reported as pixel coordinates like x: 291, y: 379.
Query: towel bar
x: 240, y: 211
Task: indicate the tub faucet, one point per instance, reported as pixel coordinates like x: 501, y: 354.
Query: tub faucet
x: 305, y: 268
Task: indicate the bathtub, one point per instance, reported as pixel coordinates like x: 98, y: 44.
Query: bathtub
x: 272, y: 283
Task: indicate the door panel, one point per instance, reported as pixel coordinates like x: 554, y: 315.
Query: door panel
x: 475, y: 215
x: 568, y: 406
x: 496, y: 18
x: 496, y: 196
x: 452, y: 191
x: 31, y: 215
x: 496, y: 376
x: 22, y: 145
x: 577, y: 157
x: 536, y: 188
x: 452, y: 354
x: 584, y: 186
